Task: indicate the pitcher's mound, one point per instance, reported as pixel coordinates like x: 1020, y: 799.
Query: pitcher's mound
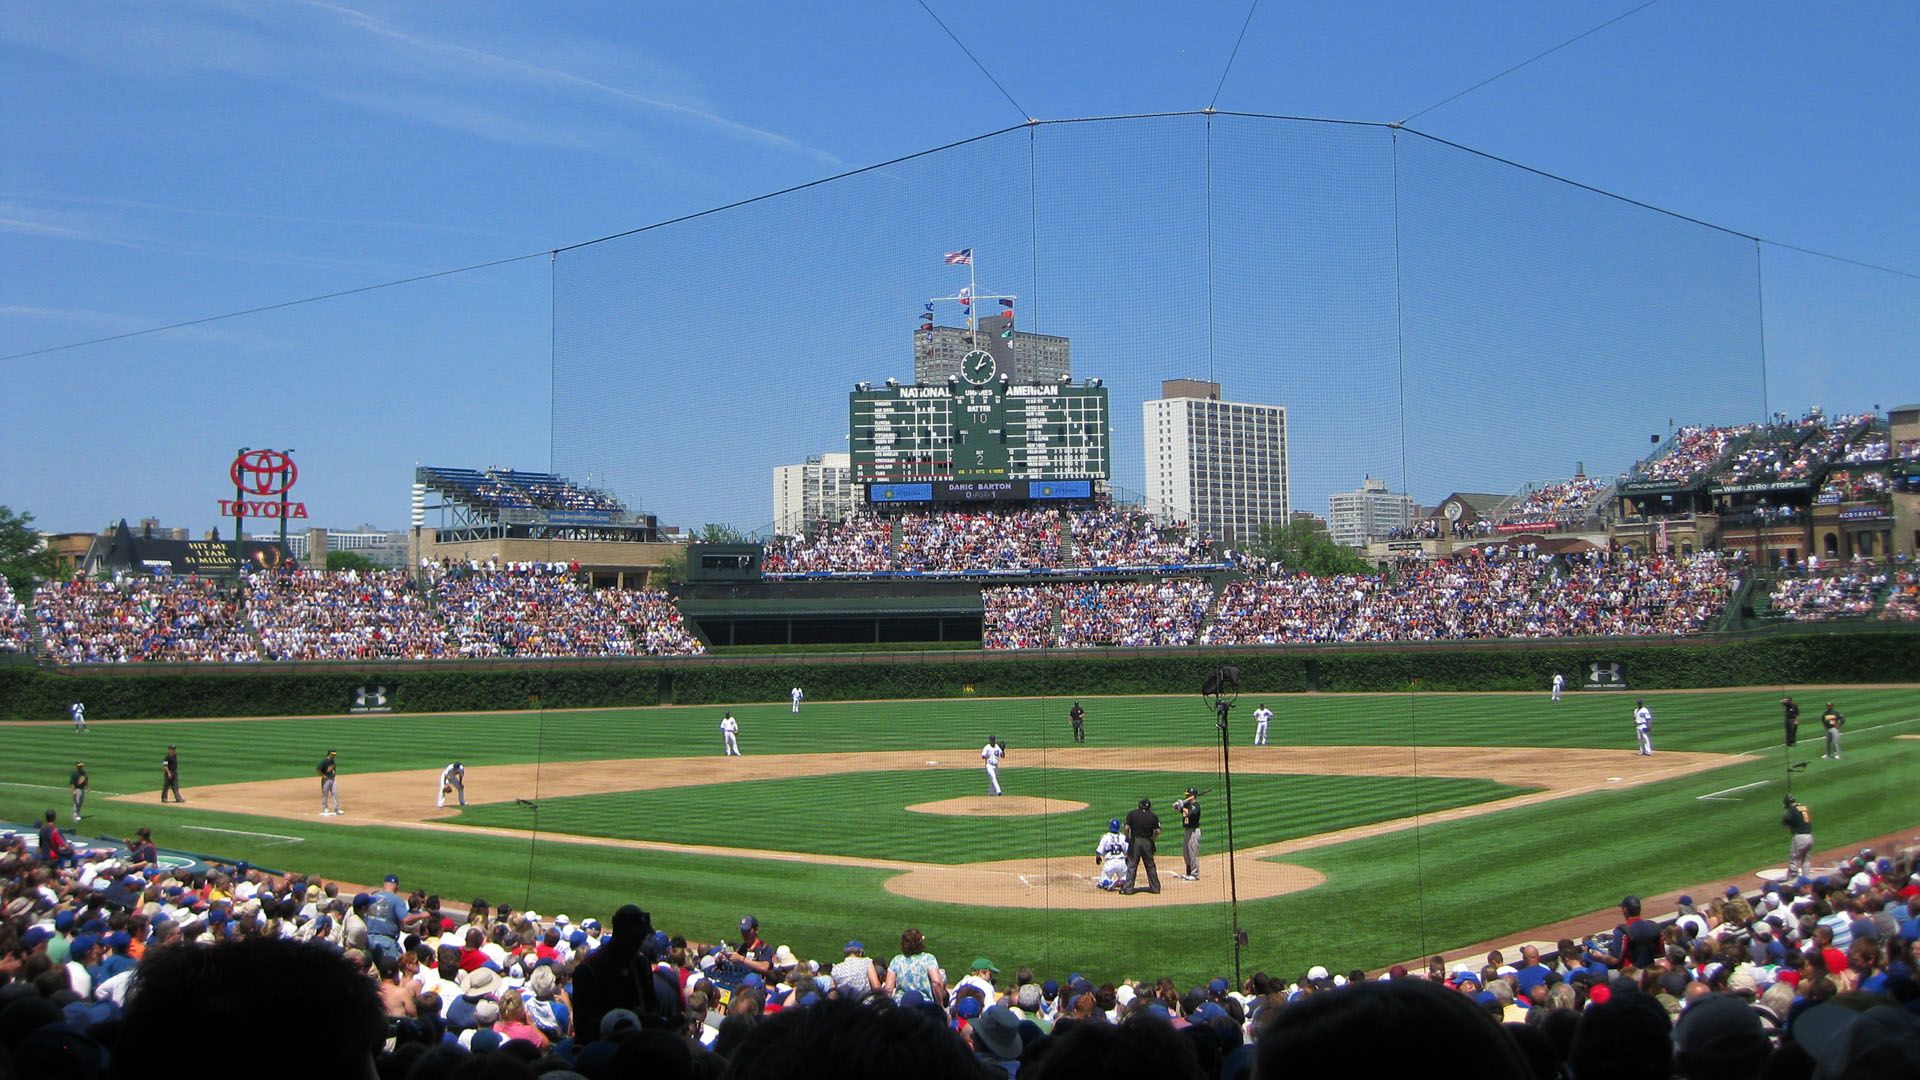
x: 1003, y: 806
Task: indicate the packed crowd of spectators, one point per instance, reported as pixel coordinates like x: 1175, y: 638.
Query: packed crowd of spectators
x: 111, y: 961
x: 544, y: 609
x: 1018, y: 616
x: 1567, y: 503
x: 860, y: 544
x: 1166, y: 611
x: 969, y: 538
x: 158, y: 618
x: 464, y: 609
x: 510, y: 488
x: 13, y: 620
x: 342, y: 615
x: 1500, y: 592
x: 1908, y: 448
x: 1903, y: 602
x: 1116, y: 536
x: 1866, y: 451
x: 1691, y: 451
x: 1798, y: 451
x: 1850, y: 485
x: 1424, y: 529
x: 1838, y: 590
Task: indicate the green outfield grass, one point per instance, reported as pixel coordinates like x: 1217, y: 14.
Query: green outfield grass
x: 1385, y: 899
x: 1268, y: 809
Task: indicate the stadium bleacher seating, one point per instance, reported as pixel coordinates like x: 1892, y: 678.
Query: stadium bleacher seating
x: 512, y: 489
x: 13, y: 621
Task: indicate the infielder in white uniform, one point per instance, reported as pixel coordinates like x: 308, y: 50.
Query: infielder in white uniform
x: 1262, y: 716
x: 797, y: 697
x: 78, y: 710
x: 1559, y: 683
x: 1643, y: 727
x: 730, y: 732
x: 991, y: 754
x: 453, y: 780
x: 1111, y: 854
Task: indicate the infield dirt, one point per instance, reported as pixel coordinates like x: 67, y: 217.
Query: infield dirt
x: 406, y: 800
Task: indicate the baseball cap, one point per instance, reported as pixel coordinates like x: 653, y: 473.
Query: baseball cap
x: 393, y: 879
x: 1733, y: 891
x: 35, y: 935
x: 968, y: 1008
x: 1316, y: 972
x: 981, y: 963
x: 748, y: 922
x: 855, y: 944
x: 1193, y: 791
x: 1217, y: 986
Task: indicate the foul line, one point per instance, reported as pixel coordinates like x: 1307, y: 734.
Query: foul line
x: 1715, y: 795
x: 60, y: 787
x: 1819, y: 734
x: 243, y: 832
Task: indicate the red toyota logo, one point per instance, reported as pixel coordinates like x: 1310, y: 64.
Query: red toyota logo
x: 263, y: 472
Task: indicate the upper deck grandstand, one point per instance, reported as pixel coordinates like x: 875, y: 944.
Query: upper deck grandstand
x: 496, y: 502
x: 967, y: 539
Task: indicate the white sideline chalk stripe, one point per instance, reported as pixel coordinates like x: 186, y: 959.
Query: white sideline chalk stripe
x: 1714, y: 796
x: 244, y: 832
x: 1818, y: 734
x: 59, y: 787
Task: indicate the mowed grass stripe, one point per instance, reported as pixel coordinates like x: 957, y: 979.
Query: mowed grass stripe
x: 125, y: 756
x: 864, y: 814
x: 1385, y: 899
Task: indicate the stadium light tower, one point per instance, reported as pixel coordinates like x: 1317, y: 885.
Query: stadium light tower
x: 1221, y: 690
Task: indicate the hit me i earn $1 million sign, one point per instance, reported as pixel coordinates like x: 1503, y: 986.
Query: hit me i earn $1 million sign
x: 262, y: 473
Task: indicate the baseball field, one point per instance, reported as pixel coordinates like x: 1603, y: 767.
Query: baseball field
x: 1373, y: 828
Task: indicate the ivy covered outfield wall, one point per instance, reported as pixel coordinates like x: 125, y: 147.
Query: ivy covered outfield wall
x: 1866, y: 653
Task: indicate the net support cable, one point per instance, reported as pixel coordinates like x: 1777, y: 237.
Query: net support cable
x: 1030, y: 123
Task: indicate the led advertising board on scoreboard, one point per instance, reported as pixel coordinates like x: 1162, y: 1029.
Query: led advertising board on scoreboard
x: 978, y: 430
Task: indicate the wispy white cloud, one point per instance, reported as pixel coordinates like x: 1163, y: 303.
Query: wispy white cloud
x: 67, y: 225
x: 74, y: 198
x: 349, y: 56
x: 494, y: 63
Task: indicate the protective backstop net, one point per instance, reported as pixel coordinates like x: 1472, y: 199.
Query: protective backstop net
x: 1426, y: 315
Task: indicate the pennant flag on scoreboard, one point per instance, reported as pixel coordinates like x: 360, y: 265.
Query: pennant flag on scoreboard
x: 963, y: 257
x: 1006, y: 303
x: 928, y: 305
x: 966, y: 296
x: 926, y: 316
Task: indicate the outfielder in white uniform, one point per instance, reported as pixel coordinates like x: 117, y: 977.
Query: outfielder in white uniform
x: 453, y: 780
x: 1111, y: 853
x: 1643, y: 727
x: 1262, y: 716
x: 797, y: 697
x: 991, y: 754
x: 730, y: 732
x: 78, y: 710
x: 1559, y: 683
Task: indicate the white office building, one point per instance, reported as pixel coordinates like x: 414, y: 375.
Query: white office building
x: 1219, y: 465
x: 382, y: 547
x: 806, y: 495
x: 1370, y: 513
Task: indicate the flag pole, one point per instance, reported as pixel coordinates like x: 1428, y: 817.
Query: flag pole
x: 973, y: 317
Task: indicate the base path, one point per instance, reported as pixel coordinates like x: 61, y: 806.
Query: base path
x: 406, y: 800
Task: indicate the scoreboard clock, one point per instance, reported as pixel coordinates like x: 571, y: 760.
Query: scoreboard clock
x: 978, y: 428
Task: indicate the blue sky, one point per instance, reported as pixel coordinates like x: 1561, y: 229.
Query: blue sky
x: 166, y: 161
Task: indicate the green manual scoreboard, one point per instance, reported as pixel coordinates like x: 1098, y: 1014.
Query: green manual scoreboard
x: 978, y: 430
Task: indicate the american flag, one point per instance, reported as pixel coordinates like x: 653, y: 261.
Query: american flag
x: 963, y: 257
